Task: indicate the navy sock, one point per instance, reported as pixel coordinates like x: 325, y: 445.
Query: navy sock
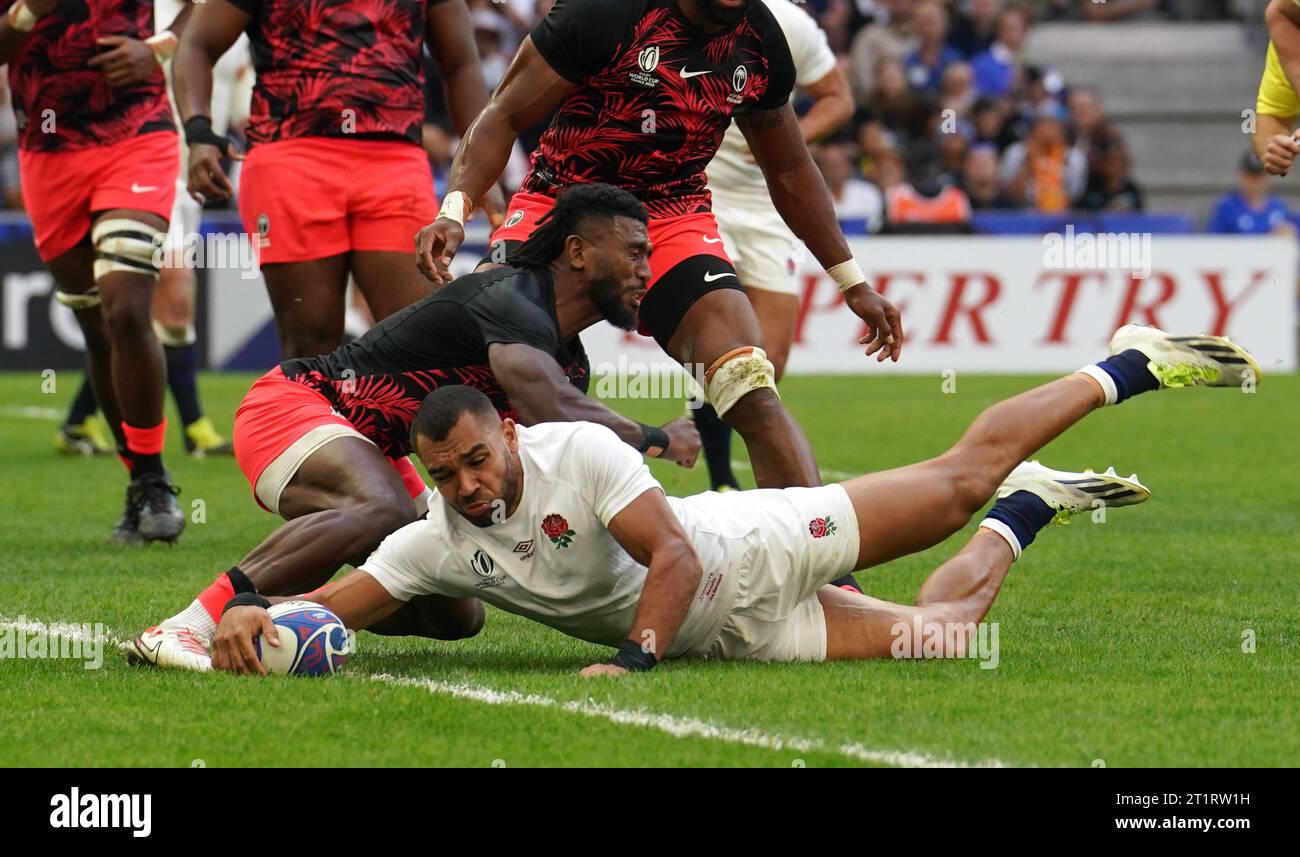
x: 182, y: 378
x: 83, y: 405
x: 1024, y: 513
x: 1129, y: 369
x: 715, y: 439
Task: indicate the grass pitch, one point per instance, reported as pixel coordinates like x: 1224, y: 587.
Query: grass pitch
x: 1124, y: 642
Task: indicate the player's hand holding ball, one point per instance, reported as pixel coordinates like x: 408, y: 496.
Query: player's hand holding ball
x: 232, y: 646
x: 884, y: 336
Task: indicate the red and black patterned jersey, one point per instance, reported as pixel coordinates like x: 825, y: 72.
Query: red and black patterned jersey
x: 654, y: 96
x: 377, y: 382
x: 61, y: 102
x: 336, y: 68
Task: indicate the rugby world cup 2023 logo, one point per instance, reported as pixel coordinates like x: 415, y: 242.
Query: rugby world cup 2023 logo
x: 648, y: 59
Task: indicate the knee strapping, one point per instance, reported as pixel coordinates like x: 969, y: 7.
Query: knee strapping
x: 175, y: 337
x: 739, y: 371
x: 128, y: 246
x: 86, y: 300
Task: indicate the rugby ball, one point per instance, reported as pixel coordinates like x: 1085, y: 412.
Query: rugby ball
x: 313, y: 641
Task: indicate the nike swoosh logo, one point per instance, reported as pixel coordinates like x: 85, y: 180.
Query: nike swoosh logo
x: 135, y: 188
x: 708, y: 240
x: 687, y: 75
x: 708, y: 278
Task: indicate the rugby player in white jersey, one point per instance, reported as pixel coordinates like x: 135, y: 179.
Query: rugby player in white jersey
x: 761, y: 246
x: 562, y: 523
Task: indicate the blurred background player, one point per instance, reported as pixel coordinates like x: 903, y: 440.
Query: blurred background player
x: 645, y: 91
x: 173, y: 301
x: 336, y: 181
x: 1277, y: 106
x: 98, y: 164
x: 761, y: 246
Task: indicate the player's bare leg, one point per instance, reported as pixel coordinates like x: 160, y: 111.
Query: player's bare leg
x: 716, y: 325
x: 73, y: 273
x: 388, y: 281
x: 307, y: 298
x: 115, y: 316
x: 959, y: 592
x: 776, y: 313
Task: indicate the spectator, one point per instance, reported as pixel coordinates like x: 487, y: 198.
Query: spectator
x: 980, y: 179
x: 854, y: 198
x: 988, y: 115
x: 957, y: 90
x: 892, y: 101
x: 889, y: 36
x: 924, y: 206
x: 1087, y: 116
x: 1250, y: 209
x: 926, y: 63
x: 874, y: 140
x: 952, y: 159
x: 1110, y: 188
x: 1043, y: 172
x: 995, y: 68
x: 973, y: 26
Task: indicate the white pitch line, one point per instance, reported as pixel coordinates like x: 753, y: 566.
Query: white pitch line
x: 684, y: 727
x: 837, y: 475
x: 29, y: 412
x: 671, y: 724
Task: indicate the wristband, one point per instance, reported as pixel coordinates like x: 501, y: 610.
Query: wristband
x: 198, y: 130
x: 163, y: 45
x: 846, y: 274
x: 654, y: 441
x: 456, y: 207
x: 22, y: 18
x: 246, y: 599
x: 631, y: 657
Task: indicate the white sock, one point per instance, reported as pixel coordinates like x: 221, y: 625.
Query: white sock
x: 1102, y: 377
x: 195, y: 618
x: 993, y: 525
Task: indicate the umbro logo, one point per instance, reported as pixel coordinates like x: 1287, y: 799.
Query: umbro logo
x: 525, y: 550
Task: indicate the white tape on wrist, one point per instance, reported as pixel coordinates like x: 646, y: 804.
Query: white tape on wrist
x: 21, y: 18
x: 846, y: 274
x: 163, y: 45
x: 456, y: 207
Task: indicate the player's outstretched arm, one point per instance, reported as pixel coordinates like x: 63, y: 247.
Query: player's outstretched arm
x: 529, y: 91
x: 651, y: 534
x: 356, y: 598
x: 211, y: 30
x: 541, y: 393
x: 800, y: 196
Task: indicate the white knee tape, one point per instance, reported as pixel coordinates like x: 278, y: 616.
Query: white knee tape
x: 127, y: 245
x: 89, y: 300
x: 175, y: 337
x: 736, y: 373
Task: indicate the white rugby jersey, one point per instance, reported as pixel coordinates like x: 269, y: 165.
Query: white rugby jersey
x: 731, y: 169
x: 553, y: 560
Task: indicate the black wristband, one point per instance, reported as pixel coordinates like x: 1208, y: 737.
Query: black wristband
x: 198, y: 129
x: 653, y: 438
x: 631, y: 657
x: 246, y: 599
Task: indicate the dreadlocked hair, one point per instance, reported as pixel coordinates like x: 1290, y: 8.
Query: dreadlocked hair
x: 575, y: 204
